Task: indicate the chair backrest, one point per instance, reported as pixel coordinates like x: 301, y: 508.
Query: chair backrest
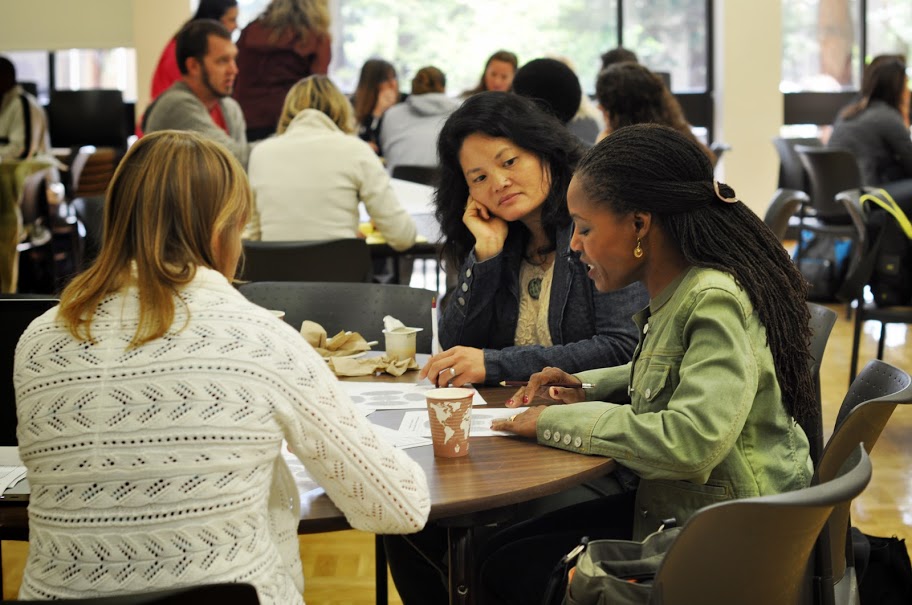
x: 830, y: 170
x: 791, y: 172
x: 426, y: 175
x: 755, y: 550
x: 343, y: 260
x: 821, y: 324
x: 234, y: 593
x: 17, y: 311
x: 348, y: 306
x: 784, y: 205
x: 864, y: 413
x: 865, y: 257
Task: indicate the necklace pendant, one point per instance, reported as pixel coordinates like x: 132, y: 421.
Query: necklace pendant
x: 534, y: 287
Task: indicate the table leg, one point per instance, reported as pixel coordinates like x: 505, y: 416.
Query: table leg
x: 461, y: 565
x: 381, y: 590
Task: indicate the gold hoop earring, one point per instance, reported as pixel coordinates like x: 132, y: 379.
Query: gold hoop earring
x: 638, y: 251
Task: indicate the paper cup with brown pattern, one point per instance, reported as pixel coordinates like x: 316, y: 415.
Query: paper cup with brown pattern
x: 450, y: 417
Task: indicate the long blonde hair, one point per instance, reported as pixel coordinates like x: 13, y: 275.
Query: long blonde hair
x: 170, y: 196
x: 317, y: 92
x: 306, y: 17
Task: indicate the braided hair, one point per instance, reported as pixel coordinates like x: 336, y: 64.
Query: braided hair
x: 655, y: 169
x: 520, y: 120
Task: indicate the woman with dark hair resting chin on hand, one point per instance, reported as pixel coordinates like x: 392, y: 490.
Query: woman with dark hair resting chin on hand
x: 707, y: 409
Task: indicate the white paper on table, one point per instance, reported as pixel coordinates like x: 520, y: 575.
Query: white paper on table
x: 393, y: 395
x: 400, y: 440
x: 418, y: 423
x: 10, y: 476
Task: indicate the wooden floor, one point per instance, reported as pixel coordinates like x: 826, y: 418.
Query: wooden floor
x: 339, y: 567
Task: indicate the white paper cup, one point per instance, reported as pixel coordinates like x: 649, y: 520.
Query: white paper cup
x: 278, y: 313
x: 401, y: 342
x: 450, y: 417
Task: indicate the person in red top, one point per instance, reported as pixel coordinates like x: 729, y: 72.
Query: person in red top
x: 289, y: 41
x: 167, y: 71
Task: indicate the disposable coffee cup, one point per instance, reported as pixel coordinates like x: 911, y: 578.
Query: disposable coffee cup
x: 450, y: 417
x: 400, y: 342
x: 278, y: 313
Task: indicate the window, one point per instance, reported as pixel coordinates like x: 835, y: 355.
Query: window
x: 112, y: 68
x: 670, y: 36
x: 821, y: 45
x: 889, y: 28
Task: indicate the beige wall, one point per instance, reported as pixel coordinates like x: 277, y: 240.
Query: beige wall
x: 61, y: 24
x: 748, y: 102
x: 154, y: 23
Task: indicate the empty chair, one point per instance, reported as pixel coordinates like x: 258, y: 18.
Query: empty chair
x: 426, y: 175
x: 754, y: 550
x: 91, y: 171
x: 859, y: 275
x: 821, y: 324
x: 792, y: 174
x: 829, y: 171
x: 780, y: 214
x: 347, y: 306
x: 343, y: 260
x: 18, y: 311
x: 864, y: 413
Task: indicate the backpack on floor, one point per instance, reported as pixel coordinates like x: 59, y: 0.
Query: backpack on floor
x: 823, y: 260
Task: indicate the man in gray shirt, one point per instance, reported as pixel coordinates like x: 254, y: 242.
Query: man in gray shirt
x: 201, y: 101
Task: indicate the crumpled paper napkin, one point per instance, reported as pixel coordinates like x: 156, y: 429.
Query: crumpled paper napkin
x: 338, y: 349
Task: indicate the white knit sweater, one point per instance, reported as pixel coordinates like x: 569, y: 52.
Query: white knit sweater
x: 160, y: 466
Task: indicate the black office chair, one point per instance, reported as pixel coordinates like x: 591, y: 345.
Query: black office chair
x: 869, y: 236
x: 792, y: 174
x: 234, y: 593
x: 358, y: 307
x: 754, y: 551
x: 864, y: 413
x: 342, y: 260
x: 426, y: 175
x: 829, y: 171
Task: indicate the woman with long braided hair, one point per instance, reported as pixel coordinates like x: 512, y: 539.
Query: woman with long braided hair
x: 707, y: 409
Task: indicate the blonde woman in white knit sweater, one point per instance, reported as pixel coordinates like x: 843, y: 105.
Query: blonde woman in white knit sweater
x: 153, y: 403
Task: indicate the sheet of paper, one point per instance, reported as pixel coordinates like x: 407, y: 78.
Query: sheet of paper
x: 9, y: 456
x: 393, y: 395
x: 10, y: 476
x: 417, y: 423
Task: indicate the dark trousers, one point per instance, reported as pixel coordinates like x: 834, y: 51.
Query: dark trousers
x: 514, y: 561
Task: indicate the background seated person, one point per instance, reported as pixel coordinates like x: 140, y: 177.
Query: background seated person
x: 707, y: 409
x: 497, y: 75
x: 309, y: 180
x: 206, y: 57
x: 408, y: 132
x: 629, y: 93
x: 23, y: 124
x: 155, y: 401
x: 522, y: 301
x: 876, y: 130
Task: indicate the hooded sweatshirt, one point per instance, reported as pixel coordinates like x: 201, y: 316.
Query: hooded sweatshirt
x: 408, y: 134
x: 269, y: 63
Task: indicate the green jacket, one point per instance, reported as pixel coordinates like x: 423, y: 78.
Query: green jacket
x: 705, y: 421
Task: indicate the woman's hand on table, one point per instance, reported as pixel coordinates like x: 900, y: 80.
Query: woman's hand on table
x: 522, y: 423
x: 490, y: 231
x: 537, y: 388
x: 455, y: 366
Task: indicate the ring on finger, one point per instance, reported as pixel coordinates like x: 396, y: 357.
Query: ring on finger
x: 513, y: 417
x: 452, y: 371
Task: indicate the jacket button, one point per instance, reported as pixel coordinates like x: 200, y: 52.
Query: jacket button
x: 645, y: 329
x: 556, y: 436
x: 567, y: 439
x: 578, y: 442
x: 461, y: 301
x: 465, y: 287
x: 468, y: 272
x: 648, y: 393
x: 547, y: 434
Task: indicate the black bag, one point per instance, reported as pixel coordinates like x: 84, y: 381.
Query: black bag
x: 891, y: 278
x: 823, y: 261
x: 887, y: 576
